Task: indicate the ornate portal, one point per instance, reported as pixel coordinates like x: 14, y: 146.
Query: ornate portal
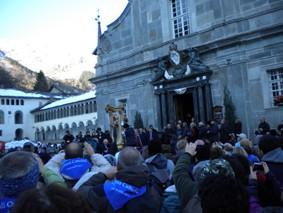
x: 117, y: 118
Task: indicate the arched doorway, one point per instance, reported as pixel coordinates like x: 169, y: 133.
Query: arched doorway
x: 42, y: 134
x: 81, y: 127
x: 60, y: 132
x: 48, y: 134
x: 54, y: 133
x: 19, y: 134
x: 37, y: 134
x: 74, y: 129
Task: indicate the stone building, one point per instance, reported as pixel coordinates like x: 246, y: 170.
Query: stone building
x: 16, y: 119
x: 169, y: 59
x: 75, y: 113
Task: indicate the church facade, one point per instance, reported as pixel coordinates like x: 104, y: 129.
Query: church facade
x: 173, y: 59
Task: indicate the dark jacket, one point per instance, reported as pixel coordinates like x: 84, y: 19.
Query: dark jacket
x: 68, y: 138
x: 110, y: 148
x: 95, y: 190
x: 274, y: 160
x: 131, y: 139
x: 185, y: 186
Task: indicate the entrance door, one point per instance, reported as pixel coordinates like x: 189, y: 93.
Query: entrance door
x: 19, y: 134
x: 184, y: 107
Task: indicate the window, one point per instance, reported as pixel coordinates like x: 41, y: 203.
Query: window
x: 18, y: 117
x: 65, y: 112
x: 2, y: 120
x: 123, y: 102
x: 180, y: 17
x: 1, y: 133
x: 2, y: 102
x: 7, y: 101
x: 17, y: 102
x: 94, y: 107
x: 86, y: 108
x: 276, y: 86
x: 12, y: 102
x: 22, y: 102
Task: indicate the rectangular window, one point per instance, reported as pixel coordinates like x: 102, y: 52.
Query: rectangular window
x: 2, y: 102
x: 276, y: 86
x: 1, y: 133
x: 17, y: 102
x: 123, y: 102
x: 12, y: 102
x: 180, y: 18
x: 7, y: 101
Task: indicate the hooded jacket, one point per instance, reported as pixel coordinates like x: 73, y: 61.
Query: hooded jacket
x: 129, y: 192
x: 274, y: 160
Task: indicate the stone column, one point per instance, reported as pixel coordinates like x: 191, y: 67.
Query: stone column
x: 171, y: 108
x: 201, y: 104
x: 196, y: 107
x: 164, y: 109
x: 159, y: 111
x: 208, y: 101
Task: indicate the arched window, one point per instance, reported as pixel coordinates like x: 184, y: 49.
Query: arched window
x: 61, y: 113
x: 86, y: 108
x: 18, y: 117
x: 82, y: 109
x: 2, y: 119
x: 65, y: 112
x: 91, y: 107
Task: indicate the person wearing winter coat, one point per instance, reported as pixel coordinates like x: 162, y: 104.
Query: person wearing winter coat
x: 272, y: 155
x: 125, y: 189
x: 59, y: 166
x: 214, y: 189
x: 20, y: 171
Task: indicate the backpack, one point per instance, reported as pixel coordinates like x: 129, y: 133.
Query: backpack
x: 159, y: 176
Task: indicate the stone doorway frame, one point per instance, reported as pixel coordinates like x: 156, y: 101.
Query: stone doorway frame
x: 198, y: 84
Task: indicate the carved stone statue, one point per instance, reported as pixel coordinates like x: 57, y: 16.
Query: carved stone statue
x: 194, y: 62
x: 178, y: 64
x: 117, y: 118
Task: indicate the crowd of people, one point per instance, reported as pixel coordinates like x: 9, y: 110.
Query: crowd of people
x: 187, y: 167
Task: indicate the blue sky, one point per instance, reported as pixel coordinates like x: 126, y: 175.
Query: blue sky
x: 44, y: 33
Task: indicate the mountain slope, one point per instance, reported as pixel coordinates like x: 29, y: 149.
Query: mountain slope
x: 24, y: 78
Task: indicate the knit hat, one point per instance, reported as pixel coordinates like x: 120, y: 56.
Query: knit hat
x: 214, y: 167
x: 14, y: 186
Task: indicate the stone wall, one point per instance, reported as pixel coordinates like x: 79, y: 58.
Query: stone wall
x: 239, y: 39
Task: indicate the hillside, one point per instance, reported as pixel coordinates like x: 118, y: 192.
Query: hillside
x: 15, y: 75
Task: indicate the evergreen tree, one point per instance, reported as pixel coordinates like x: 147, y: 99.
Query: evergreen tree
x: 84, y: 82
x: 41, y: 84
x: 229, y: 108
x: 138, y: 123
x: 6, y: 80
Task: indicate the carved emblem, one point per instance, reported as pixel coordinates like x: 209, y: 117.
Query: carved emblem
x: 179, y: 63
